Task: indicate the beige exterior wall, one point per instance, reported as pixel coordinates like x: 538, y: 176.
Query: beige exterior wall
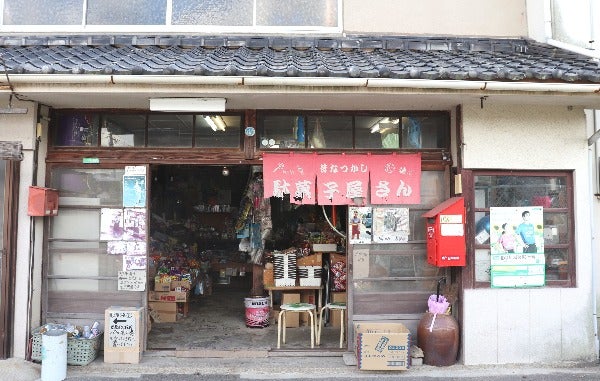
x: 21, y: 127
x: 503, y: 326
x: 497, y: 18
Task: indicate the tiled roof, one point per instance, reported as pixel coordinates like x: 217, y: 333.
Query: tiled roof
x: 350, y: 57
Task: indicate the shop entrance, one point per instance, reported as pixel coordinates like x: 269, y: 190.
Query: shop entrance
x: 201, y: 241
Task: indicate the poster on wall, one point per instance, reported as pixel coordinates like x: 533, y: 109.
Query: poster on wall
x: 517, y: 247
x: 134, y: 187
x: 134, y: 262
x: 126, y: 247
x: 111, y: 224
x: 360, y: 224
x: 134, y: 224
x: 390, y: 225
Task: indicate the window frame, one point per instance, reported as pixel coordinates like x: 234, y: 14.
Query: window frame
x: 468, y: 178
x: 307, y: 114
x: 168, y: 27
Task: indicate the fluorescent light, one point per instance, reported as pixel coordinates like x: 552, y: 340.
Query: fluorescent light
x: 219, y: 122
x: 187, y: 104
x: 211, y: 123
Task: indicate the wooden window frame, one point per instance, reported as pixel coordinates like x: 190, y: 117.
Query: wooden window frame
x: 468, y: 178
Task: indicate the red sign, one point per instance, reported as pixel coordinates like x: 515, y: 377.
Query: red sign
x: 292, y: 174
x: 342, y: 178
x: 396, y: 179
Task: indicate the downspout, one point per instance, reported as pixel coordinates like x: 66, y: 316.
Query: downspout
x: 593, y: 158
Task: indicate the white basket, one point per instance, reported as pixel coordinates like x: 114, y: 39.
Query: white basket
x: 310, y: 275
x: 284, y: 269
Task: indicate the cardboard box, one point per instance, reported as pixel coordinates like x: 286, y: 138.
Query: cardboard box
x: 163, y: 312
x: 181, y: 285
x: 169, y: 296
x: 125, y: 330
x: 382, y: 345
x: 307, y: 296
x: 335, y: 317
x: 161, y: 286
x: 310, y: 260
x: 292, y: 319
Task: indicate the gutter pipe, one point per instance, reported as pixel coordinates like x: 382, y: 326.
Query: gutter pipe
x: 373, y: 83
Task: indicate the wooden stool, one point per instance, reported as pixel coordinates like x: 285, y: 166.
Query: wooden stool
x: 296, y: 307
x: 335, y: 306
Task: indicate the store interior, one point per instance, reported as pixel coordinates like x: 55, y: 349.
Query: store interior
x: 212, y: 235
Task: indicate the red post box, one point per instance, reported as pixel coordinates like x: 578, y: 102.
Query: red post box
x: 446, y: 245
x: 42, y: 201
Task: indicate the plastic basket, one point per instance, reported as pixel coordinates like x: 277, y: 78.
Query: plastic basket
x: 80, y: 351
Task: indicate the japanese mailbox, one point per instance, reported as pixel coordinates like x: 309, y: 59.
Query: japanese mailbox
x: 446, y: 233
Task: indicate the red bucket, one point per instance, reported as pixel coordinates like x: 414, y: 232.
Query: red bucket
x: 257, y: 312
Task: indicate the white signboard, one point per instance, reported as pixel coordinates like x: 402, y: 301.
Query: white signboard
x: 122, y: 329
x: 132, y: 280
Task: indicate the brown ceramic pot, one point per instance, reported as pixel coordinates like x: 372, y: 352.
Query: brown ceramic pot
x: 440, y: 346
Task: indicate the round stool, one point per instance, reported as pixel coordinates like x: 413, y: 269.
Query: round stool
x: 335, y: 306
x: 296, y: 307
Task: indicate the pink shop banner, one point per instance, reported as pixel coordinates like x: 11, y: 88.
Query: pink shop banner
x: 342, y: 179
x: 395, y: 179
x: 292, y: 174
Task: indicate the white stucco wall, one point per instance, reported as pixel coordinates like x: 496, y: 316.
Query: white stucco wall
x: 543, y: 324
x: 21, y: 127
x: 498, y: 18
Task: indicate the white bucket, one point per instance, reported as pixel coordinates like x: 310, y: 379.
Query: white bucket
x: 54, y: 355
x: 257, y: 312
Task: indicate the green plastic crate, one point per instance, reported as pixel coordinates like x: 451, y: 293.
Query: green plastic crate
x: 80, y: 351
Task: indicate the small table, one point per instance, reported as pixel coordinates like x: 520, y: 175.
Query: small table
x: 270, y: 289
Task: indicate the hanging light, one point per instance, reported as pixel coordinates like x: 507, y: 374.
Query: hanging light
x: 225, y: 171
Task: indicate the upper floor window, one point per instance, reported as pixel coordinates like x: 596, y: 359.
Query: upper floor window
x: 257, y: 16
x: 573, y: 23
x: 93, y: 129
x: 402, y: 130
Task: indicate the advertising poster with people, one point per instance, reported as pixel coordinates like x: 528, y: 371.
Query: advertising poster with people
x: 360, y: 224
x: 517, y: 246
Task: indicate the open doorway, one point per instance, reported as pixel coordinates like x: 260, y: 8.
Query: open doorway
x: 197, y: 234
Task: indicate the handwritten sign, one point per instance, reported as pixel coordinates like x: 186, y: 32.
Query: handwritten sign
x: 122, y: 329
x: 131, y: 280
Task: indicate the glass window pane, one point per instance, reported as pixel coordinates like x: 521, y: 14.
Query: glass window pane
x: 108, y: 285
x: 556, y: 228
x: 166, y: 130
x: 77, y: 130
x: 123, y: 130
x: 218, y: 131
x: 329, y: 131
x: 130, y: 12
x: 43, y: 12
x: 483, y: 265
x: 432, y: 131
x: 282, y: 131
x: 88, y: 186
x: 64, y: 225
x: 297, y: 13
x: 397, y: 285
x: 557, y: 264
x: 212, y: 12
x: 375, y: 132
x: 571, y: 22
x: 67, y: 260
x: 497, y: 191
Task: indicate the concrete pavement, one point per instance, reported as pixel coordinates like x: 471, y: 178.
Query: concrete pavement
x: 288, y: 367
